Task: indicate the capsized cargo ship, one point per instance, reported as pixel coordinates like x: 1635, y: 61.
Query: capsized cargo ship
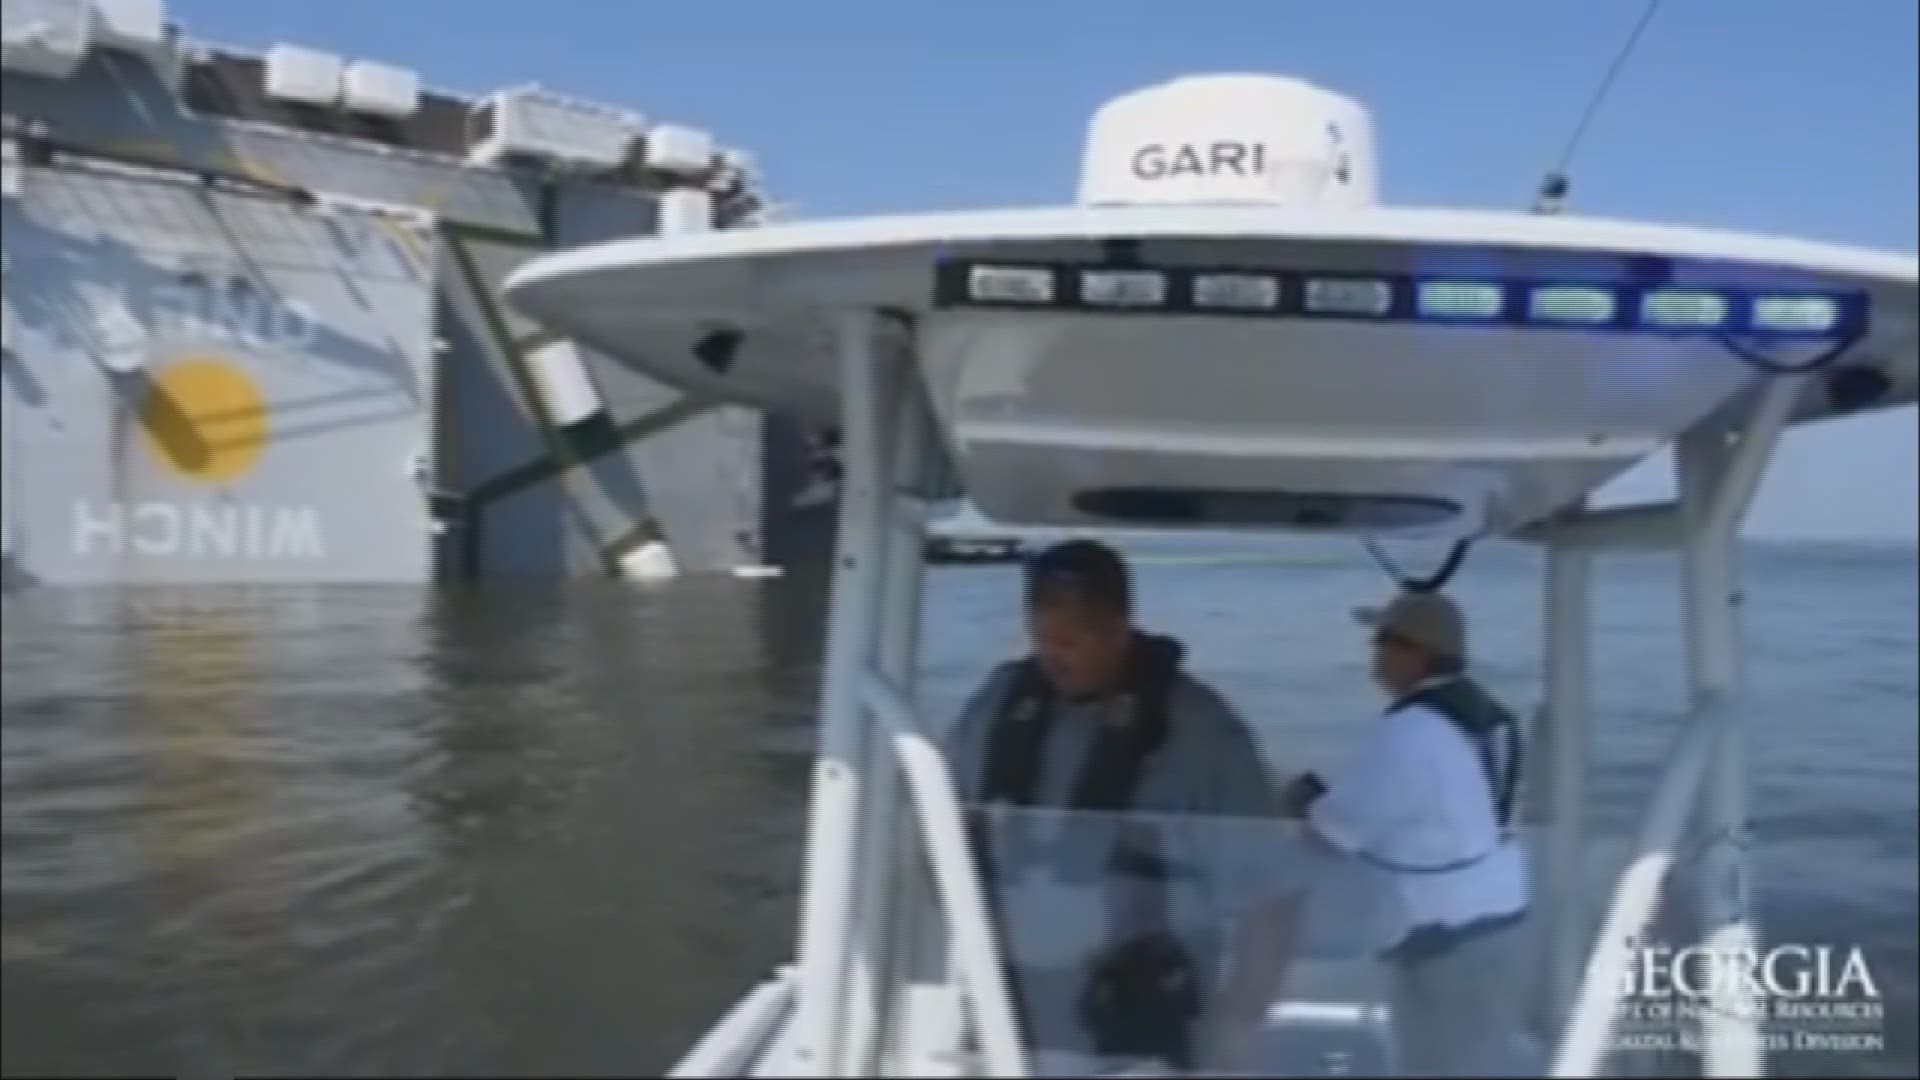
x: 253, y: 330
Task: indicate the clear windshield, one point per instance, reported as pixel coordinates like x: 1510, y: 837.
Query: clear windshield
x: 1165, y: 944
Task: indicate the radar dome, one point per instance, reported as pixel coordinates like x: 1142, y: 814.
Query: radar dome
x: 1230, y: 139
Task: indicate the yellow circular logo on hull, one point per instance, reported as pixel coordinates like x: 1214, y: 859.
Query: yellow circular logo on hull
x: 204, y: 419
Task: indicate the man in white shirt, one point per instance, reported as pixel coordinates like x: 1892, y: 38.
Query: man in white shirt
x: 1427, y: 798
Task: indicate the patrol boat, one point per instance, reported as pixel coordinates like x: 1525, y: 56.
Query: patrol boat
x: 252, y: 330
x: 1223, y: 339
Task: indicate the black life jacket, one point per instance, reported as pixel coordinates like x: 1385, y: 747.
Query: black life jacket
x: 1016, y: 747
x: 1480, y: 718
x: 1143, y: 995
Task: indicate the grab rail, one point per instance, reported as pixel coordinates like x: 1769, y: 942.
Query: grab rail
x: 937, y: 806
x: 732, y: 1047
x: 1636, y: 897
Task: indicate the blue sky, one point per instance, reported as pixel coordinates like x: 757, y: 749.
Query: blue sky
x: 1778, y: 116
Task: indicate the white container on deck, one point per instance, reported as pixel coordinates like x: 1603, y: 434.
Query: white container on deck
x: 566, y: 387
x: 683, y: 151
x: 530, y: 121
x: 380, y: 90
x: 303, y: 76
x: 137, y: 26
x: 685, y: 210
x: 45, y: 38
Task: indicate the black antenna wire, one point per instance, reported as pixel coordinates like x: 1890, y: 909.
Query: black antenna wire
x: 1553, y: 189
x: 1433, y: 582
x: 1552, y: 197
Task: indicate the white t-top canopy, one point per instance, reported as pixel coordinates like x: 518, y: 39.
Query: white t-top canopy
x: 1368, y: 369
x: 1227, y: 332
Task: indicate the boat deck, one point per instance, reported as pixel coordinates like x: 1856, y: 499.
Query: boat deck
x: 1335, y: 1021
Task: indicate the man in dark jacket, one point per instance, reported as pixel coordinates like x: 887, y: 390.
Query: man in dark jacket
x: 1121, y: 811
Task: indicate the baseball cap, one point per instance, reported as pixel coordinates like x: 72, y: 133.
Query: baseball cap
x: 1426, y: 619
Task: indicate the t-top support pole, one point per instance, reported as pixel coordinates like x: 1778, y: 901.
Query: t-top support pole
x: 871, y: 992
x: 870, y: 386
x: 1566, y: 741
x: 1716, y: 481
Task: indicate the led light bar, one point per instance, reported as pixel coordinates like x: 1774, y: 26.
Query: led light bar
x: 1795, y: 314
x: 1010, y: 284
x: 1349, y: 296
x: 1684, y: 310
x: 1452, y: 300
x: 1124, y: 288
x: 1572, y: 305
x: 1460, y: 299
x: 1236, y: 292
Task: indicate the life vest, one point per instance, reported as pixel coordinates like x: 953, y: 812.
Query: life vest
x: 1142, y: 994
x: 1477, y: 716
x: 1110, y: 776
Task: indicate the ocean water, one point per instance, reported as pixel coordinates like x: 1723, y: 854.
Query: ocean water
x: 395, y: 831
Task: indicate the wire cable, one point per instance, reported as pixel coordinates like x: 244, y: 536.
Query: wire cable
x: 1553, y: 190
x: 1826, y: 359
x: 1433, y: 582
